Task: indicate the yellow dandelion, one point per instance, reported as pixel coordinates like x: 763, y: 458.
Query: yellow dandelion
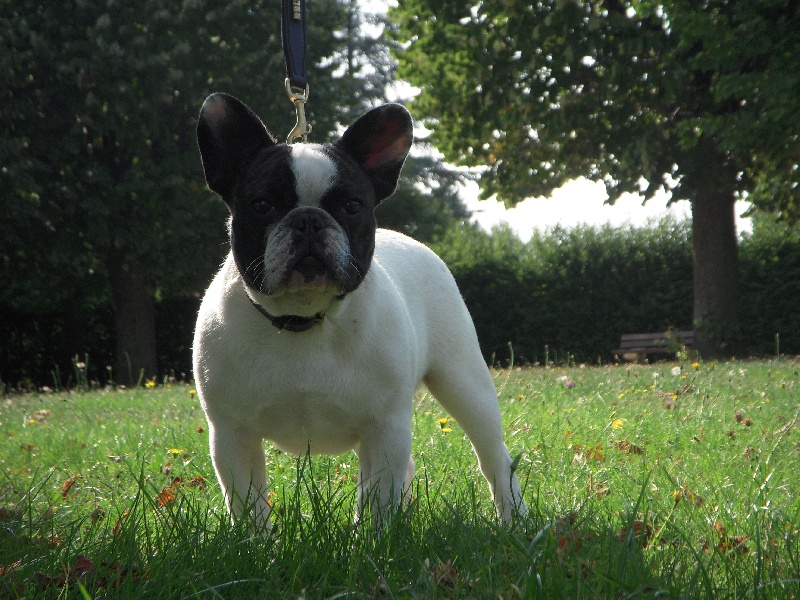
x: 617, y: 423
x: 442, y: 421
x: 678, y: 495
x: 446, y: 430
x: 150, y: 384
x: 176, y: 451
x: 193, y: 392
x: 695, y: 365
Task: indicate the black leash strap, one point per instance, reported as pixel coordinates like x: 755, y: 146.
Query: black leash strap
x: 293, y: 33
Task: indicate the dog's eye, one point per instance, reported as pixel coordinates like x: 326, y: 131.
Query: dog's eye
x: 263, y: 207
x: 351, y: 207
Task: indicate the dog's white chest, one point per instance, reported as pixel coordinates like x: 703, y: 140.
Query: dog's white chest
x: 320, y: 389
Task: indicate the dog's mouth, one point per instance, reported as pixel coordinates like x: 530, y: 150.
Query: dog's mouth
x: 310, y: 268
x: 305, y: 272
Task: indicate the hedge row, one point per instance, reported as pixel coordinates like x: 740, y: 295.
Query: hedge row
x: 565, y: 294
x: 573, y: 292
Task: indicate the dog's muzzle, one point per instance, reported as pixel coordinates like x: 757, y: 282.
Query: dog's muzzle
x: 307, y: 245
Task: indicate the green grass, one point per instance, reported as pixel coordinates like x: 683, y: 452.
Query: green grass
x: 641, y: 484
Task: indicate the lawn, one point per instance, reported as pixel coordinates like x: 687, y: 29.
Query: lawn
x: 645, y: 481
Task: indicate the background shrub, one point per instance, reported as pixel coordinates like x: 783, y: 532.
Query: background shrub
x: 565, y: 294
x: 572, y: 290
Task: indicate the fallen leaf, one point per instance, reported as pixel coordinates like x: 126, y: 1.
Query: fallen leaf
x: 640, y: 530
x: 118, y: 525
x: 67, y: 486
x: 691, y: 496
x: 97, y: 514
x: 750, y: 453
x: 81, y: 566
x: 735, y: 543
x: 443, y: 574
x: 7, y: 569
x: 591, y: 453
x: 198, y: 482
x: 596, y: 488
x: 10, y: 512
x: 626, y: 446
x: 168, y: 493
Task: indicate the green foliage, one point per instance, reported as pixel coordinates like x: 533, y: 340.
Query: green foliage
x: 640, y: 481
x: 564, y: 295
x: 574, y: 291
x: 689, y: 96
x: 426, y: 203
x: 101, y: 185
x: 770, y: 286
x: 100, y: 162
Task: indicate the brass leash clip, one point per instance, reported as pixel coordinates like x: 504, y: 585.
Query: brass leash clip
x: 299, y: 99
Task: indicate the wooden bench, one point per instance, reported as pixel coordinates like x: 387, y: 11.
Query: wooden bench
x: 636, y: 346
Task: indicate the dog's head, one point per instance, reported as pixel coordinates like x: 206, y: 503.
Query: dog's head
x: 302, y: 216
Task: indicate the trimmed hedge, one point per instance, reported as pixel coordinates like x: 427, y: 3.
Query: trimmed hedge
x: 571, y: 292
x: 567, y: 294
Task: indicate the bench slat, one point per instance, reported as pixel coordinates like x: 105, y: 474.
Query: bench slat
x: 635, y: 346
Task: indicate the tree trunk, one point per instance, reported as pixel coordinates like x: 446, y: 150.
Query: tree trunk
x: 716, y: 272
x: 134, y: 324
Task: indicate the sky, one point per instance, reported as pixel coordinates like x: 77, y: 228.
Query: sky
x: 576, y: 202
x: 580, y: 202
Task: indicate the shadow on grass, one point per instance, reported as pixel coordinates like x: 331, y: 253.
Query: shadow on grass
x: 176, y: 541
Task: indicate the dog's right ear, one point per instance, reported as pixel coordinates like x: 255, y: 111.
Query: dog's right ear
x: 229, y: 135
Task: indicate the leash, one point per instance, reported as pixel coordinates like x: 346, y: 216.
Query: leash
x: 293, y: 34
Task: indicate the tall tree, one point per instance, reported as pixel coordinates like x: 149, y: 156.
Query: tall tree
x: 698, y: 98
x: 427, y: 202
x: 101, y: 190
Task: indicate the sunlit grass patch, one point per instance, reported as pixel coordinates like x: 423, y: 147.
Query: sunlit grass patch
x: 642, y: 481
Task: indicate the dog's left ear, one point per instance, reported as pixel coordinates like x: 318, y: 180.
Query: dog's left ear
x: 379, y: 142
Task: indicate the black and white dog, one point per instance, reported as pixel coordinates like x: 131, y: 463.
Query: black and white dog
x: 319, y: 327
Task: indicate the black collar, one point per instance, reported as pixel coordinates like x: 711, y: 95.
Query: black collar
x: 294, y: 323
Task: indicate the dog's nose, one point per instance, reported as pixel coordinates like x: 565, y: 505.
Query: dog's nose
x: 307, y: 220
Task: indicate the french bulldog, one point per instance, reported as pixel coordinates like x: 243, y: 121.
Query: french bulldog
x: 319, y: 327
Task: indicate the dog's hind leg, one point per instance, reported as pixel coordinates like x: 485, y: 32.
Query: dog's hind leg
x: 238, y: 459
x: 464, y: 387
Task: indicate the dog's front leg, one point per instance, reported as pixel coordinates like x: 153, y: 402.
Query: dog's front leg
x: 385, y: 470
x: 238, y: 458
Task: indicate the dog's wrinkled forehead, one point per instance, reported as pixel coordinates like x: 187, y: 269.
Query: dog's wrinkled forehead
x: 314, y: 173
